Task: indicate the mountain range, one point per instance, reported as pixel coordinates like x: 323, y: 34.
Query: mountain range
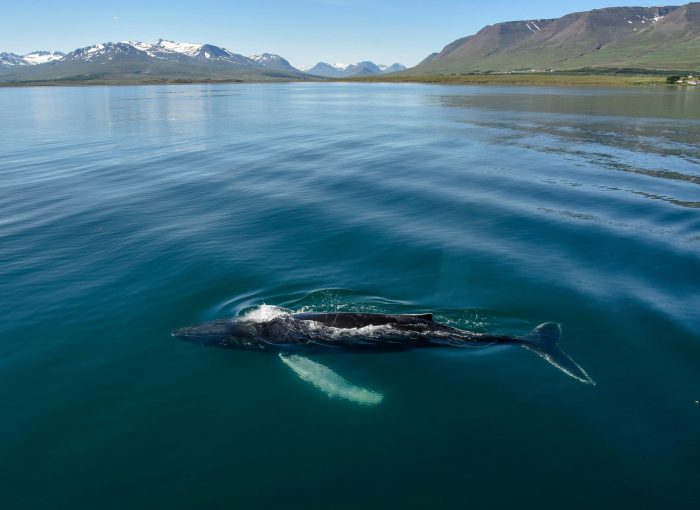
x: 651, y: 38
x: 164, y: 61
x: 143, y: 61
x: 365, y: 68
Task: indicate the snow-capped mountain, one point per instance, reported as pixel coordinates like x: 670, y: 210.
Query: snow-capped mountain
x: 365, y: 68
x: 162, y: 49
x: 182, y: 52
x: 30, y: 59
x: 393, y: 68
x: 98, y: 52
x: 172, y: 50
x: 42, y: 57
x: 140, y: 61
x: 273, y: 62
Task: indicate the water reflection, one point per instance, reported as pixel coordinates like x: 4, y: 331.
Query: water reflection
x: 671, y: 103
x: 650, y: 133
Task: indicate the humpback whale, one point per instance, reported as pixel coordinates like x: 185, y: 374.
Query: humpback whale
x: 294, y: 335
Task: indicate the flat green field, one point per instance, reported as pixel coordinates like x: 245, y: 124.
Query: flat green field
x: 520, y: 78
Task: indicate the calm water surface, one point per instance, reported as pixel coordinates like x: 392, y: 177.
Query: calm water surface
x: 126, y: 212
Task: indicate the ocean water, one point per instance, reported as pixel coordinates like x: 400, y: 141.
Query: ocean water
x: 127, y: 212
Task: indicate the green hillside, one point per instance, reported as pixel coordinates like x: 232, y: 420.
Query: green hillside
x: 655, y: 38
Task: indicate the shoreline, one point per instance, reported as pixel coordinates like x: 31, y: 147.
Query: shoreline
x: 534, y: 79
x: 538, y: 79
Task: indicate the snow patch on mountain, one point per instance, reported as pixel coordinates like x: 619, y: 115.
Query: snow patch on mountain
x: 146, y: 47
x: 11, y: 59
x: 42, y: 57
x: 30, y: 59
x: 272, y: 61
x: 265, y: 58
x: 104, y: 50
x: 163, y: 48
x: 189, y: 49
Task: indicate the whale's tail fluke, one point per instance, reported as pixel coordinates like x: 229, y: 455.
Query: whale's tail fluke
x: 544, y: 341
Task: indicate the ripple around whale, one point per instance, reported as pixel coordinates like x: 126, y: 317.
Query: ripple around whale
x: 127, y: 212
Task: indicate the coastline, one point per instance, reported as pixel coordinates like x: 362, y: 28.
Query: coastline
x: 535, y: 79
x: 460, y: 80
x: 546, y: 79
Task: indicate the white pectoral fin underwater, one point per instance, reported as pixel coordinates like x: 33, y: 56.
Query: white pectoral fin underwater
x: 329, y: 382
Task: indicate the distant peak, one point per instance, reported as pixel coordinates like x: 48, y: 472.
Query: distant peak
x: 340, y: 70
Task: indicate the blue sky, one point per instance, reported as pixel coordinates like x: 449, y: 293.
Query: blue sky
x: 303, y: 31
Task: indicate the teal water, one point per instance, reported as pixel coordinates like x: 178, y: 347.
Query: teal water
x: 127, y: 212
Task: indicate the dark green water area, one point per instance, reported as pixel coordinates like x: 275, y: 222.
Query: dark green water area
x: 127, y: 212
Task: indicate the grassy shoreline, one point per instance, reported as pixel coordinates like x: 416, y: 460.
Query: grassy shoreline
x: 520, y: 79
x: 555, y: 79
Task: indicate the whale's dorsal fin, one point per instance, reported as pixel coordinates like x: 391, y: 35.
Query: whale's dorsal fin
x: 329, y: 382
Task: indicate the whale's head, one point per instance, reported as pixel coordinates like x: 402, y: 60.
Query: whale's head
x: 228, y: 333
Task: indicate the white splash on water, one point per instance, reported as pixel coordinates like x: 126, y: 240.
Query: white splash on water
x: 264, y: 313
x: 329, y: 382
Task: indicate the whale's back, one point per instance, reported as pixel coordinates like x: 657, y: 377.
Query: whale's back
x: 346, y: 320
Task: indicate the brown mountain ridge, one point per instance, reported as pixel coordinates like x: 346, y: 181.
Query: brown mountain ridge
x: 653, y: 38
